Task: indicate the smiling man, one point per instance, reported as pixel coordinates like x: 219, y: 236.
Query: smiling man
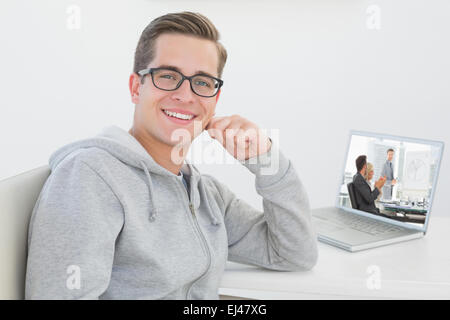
x: 120, y: 218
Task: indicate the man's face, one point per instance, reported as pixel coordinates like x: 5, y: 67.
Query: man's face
x: 364, y: 169
x: 190, y: 55
x: 390, y: 155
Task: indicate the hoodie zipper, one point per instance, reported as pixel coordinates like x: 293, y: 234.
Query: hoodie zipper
x: 208, y: 253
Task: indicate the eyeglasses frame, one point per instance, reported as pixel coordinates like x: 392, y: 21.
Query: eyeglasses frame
x: 150, y: 71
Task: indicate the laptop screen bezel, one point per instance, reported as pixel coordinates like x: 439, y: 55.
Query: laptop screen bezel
x: 438, y: 144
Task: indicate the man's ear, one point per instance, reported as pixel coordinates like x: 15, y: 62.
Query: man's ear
x: 133, y: 84
x: 218, y: 94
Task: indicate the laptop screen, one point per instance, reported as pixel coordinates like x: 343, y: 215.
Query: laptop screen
x: 390, y: 177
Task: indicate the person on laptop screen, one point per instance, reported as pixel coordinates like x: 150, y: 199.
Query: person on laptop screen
x: 369, y: 175
x: 365, y: 197
x: 388, y: 171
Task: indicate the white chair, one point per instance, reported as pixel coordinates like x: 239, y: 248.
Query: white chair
x: 18, y: 196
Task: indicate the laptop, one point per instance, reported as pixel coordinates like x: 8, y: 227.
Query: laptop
x: 401, y: 212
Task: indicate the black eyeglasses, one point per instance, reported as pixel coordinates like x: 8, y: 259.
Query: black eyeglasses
x: 170, y: 80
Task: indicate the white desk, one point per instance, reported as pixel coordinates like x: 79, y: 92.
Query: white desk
x: 415, y: 269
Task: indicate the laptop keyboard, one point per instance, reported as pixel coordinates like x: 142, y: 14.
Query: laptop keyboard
x: 361, y: 223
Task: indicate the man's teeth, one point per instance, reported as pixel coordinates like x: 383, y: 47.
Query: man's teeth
x: 178, y: 115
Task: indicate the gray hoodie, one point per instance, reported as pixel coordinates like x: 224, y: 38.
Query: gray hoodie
x: 111, y: 223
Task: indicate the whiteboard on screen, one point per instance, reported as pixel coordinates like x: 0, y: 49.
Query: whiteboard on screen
x: 417, y: 170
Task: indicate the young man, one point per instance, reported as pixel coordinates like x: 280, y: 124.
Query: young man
x: 388, y: 172
x: 365, y: 197
x: 121, y: 218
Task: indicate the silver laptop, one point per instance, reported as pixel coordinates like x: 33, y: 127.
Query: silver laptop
x: 401, y: 211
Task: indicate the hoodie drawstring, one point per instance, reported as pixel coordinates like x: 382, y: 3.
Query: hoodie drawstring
x: 153, y: 213
x: 153, y: 210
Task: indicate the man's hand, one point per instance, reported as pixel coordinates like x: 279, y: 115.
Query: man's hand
x: 394, y: 182
x: 240, y: 137
x: 380, y: 183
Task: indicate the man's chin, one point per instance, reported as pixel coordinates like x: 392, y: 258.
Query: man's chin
x: 179, y: 141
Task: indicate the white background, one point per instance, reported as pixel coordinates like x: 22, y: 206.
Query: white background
x: 312, y: 69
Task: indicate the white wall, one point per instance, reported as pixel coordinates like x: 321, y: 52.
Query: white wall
x: 312, y: 69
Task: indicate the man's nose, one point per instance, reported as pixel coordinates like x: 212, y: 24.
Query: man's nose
x: 184, y: 92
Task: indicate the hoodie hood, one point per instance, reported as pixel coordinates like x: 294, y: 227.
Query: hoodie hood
x: 123, y: 146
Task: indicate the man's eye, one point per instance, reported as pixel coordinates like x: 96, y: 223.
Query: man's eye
x: 202, y: 83
x: 167, y: 76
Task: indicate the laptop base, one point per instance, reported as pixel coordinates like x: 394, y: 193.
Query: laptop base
x: 334, y: 230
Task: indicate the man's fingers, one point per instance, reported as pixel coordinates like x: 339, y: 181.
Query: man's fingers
x: 216, y: 128
x: 238, y: 136
x: 222, y: 124
x: 209, y: 123
x: 212, y: 123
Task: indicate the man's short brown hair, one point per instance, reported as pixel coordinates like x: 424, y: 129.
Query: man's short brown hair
x: 360, y: 162
x: 188, y: 23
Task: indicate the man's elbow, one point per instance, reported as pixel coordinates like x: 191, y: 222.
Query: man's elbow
x: 308, y: 262
x: 306, y: 259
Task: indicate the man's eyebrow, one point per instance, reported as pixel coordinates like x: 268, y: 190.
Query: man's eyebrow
x: 166, y: 66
